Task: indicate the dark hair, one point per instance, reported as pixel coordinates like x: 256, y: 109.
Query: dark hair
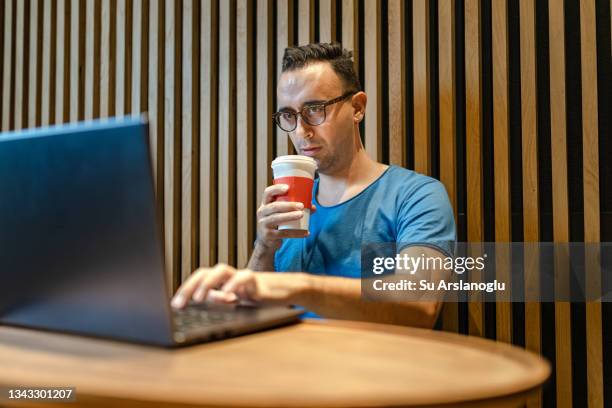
x: 340, y: 60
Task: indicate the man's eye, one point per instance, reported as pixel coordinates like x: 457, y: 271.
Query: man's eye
x: 286, y: 115
x: 315, y: 109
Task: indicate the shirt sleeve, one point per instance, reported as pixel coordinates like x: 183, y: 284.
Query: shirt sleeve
x: 425, y: 218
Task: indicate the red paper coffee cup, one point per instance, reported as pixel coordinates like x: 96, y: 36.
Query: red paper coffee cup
x: 298, y: 173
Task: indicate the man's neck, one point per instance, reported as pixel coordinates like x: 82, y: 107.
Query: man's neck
x: 350, y: 180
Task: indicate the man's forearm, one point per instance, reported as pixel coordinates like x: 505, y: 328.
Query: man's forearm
x: 340, y: 298
x: 262, y: 258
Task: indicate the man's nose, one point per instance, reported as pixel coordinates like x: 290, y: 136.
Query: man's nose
x: 303, y: 129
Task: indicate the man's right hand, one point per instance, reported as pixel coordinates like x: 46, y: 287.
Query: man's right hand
x: 271, y: 214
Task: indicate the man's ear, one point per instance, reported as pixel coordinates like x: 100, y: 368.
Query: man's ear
x: 360, y: 100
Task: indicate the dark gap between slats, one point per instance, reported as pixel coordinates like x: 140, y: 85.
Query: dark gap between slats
x: 384, y: 80
x: 461, y: 143
x: 434, y: 105
x: 487, y: 156
x: 575, y: 188
x: 2, y: 65
x: 361, y: 47
x: 195, y: 168
x: 275, y: 74
x: 409, y: 105
x: 27, y: 81
x: 252, y: 72
x: 338, y: 20
x: 317, y: 22
x: 547, y: 310
x: 604, y: 94
x: 127, y: 101
x: 161, y: 97
x: 516, y: 167
x: 13, y: 66
x: 177, y: 160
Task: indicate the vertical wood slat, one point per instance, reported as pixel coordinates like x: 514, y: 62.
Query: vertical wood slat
x: 34, y: 68
x: 168, y: 136
x: 73, y: 83
x: 264, y: 129
x: 373, y: 83
x: 350, y: 29
x: 120, y: 58
x: 501, y: 159
x: 448, y: 128
x: 142, y: 69
x: 127, y: 58
x: 105, y: 59
x: 244, y: 132
x: 590, y: 176
x: 560, y: 202
x: 152, y: 68
x: 7, y: 105
x: 62, y: 59
x: 284, y: 38
x: 531, y: 220
x: 473, y: 127
x: 187, y: 203
x: 2, y: 4
x: 46, y: 82
x: 155, y: 96
x: 20, y: 83
x: 227, y: 134
x: 327, y: 21
x: 137, y: 45
x: 82, y: 46
x: 172, y: 134
x: 397, y: 83
x: 208, y: 143
x: 90, y: 12
x: 108, y: 62
x: 421, y: 86
x: 306, y: 19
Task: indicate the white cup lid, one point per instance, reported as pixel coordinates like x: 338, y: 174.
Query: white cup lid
x: 294, y: 158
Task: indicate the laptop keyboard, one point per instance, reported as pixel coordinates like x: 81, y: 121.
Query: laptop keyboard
x: 192, y: 318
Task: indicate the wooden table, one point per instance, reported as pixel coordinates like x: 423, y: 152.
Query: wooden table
x: 314, y: 363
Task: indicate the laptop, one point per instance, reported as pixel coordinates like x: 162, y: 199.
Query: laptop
x: 80, y: 241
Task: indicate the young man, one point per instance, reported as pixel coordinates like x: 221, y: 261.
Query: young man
x: 356, y: 201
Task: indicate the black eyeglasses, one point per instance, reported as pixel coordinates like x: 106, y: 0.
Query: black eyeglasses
x: 313, y: 114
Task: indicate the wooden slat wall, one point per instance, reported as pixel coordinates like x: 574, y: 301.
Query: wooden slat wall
x: 501, y: 154
x: 531, y: 209
x: 265, y: 67
x: 397, y: 83
x: 7, y: 66
x: 531, y: 199
x: 590, y: 176
x: 563, y: 343
x: 327, y: 20
x: 208, y: 130
x: 473, y: 127
x: 206, y: 71
x: 448, y: 122
x: 421, y: 86
x: 284, y: 39
x: 245, y: 132
x: 48, y: 62
x: 188, y: 132
x: 372, y: 80
x: 350, y: 28
x: 34, y: 62
x: 19, y: 62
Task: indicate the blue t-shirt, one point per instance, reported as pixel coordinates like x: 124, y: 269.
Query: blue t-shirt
x: 400, y: 206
